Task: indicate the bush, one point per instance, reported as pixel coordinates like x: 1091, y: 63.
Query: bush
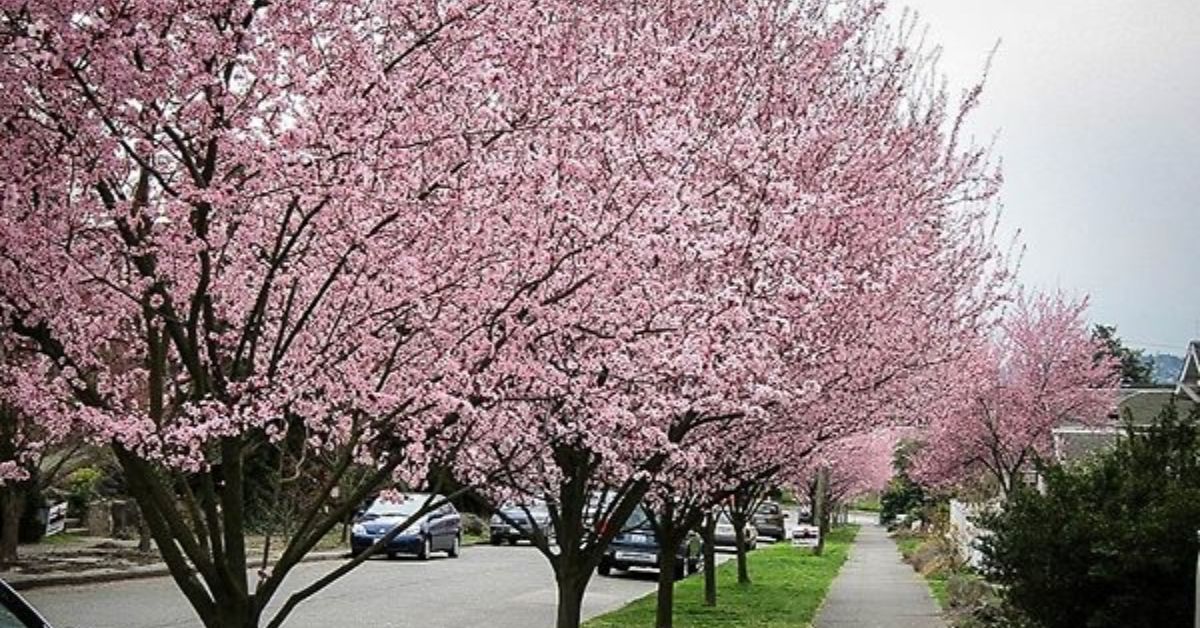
x: 902, y: 496
x: 1111, y: 543
x: 934, y: 557
x: 82, y: 487
x: 969, y: 591
x: 473, y: 524
x: 993, y: 612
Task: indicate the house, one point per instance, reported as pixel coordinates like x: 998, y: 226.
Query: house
x: 1140, y: 406
x: 1189, y: 378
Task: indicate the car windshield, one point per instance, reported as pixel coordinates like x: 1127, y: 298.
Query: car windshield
x: 724, y: 518
x: 637, y: 519
x: 406, y: 508
x: 768, y: 509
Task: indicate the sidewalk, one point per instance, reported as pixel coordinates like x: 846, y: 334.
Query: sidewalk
x: 875, y: 589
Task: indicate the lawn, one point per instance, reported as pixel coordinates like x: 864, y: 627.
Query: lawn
x: 867, y: 503
x: 62, y: 538
x: 908, y: 543
x: 788, y: 587
x: 937, y: 585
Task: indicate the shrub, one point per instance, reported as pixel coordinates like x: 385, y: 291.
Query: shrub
x: 82, y: 487
x: 934, y: 557
x: 994, y: 612
x: 969, y: 591
x: 1111, y: 543
x: 473, y: 524
x: 902, y: 496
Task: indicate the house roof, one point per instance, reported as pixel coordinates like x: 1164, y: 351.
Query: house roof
x: 1141, y: 406
x: 1074, y: 445
x: 1189, y: 377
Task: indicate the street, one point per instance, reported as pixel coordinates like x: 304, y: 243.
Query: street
x: 492, y: 587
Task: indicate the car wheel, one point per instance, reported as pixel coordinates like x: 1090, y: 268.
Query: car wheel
x: 495, y: 540
x: 426, y: 549
x: 680, y: 570
x: 604, y: 569
x: 455, y: 548
x: 391, y: 555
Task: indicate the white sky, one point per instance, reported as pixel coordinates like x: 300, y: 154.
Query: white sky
x: 1096, y: 106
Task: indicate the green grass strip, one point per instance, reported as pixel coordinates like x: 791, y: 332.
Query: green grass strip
x: 787, y: 589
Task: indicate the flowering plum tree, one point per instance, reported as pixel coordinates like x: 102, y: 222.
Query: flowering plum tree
x: 233, y: 228
x: 568, y: 239
x: 790, y: 235
x: 35, y: 446
x: 1043, y: 369
x: 853, y: 465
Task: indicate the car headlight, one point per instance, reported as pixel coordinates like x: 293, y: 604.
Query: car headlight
x: 359, y: 530
x: 497, y: 519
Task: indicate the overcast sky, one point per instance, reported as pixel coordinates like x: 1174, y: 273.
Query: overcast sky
x: 1096, y: 107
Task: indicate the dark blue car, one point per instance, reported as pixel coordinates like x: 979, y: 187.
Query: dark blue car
x: 439, y: 530
x: 636, y: 546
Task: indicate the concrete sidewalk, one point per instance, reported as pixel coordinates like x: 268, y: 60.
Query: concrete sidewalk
x: 876, y: 589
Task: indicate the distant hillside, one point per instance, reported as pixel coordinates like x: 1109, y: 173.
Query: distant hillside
x: 1166, y: 367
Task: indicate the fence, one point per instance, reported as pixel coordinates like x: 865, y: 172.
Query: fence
x: 964, y: 533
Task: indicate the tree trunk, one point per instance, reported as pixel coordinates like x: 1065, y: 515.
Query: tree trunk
x: 707, y: 533
x: 237, y: 616
x: 665, y: 609
x: 12, y: 506
x: 143, y: 536
x: 572, y: 582
x: 739, y: 536
x: 820, y: 508
x: 668, y: 529
x: 143, y: 530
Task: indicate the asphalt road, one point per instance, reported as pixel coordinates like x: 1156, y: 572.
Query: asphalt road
x: 488, y: 587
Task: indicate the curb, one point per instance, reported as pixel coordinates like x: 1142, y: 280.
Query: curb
x: 25, y: 583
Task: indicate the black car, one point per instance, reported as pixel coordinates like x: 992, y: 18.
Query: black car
x: 519, y: 522
x: 768, y: 520
x: 15, y: 612
x: 636, y: 546
x: 437, y: 531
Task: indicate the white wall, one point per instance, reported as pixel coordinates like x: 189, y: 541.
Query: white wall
x: 963, y: 531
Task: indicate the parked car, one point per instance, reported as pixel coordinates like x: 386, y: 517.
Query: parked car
x: 519, y: 522
x: 724, y: 536
x: 769, y: 521
x: 806, y: 535
x: 637, y: 546
x: 15, y: 612
x: 439, y: 530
